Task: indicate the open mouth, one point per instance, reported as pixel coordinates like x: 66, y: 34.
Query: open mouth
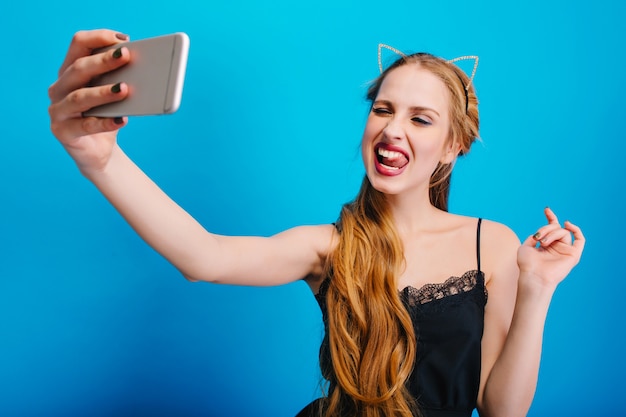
x: 390, y: 158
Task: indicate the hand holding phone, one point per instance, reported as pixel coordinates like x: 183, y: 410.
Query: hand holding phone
x: 155, y: 77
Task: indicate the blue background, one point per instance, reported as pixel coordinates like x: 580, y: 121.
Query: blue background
x: 94, y: 322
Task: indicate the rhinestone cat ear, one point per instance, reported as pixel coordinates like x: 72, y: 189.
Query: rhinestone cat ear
x: 463, y: 58
x: 380, y: 54
x: 382, y: 46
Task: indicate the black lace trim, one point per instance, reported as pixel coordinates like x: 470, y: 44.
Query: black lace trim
x: 429, y: 292
x: 452, y: 286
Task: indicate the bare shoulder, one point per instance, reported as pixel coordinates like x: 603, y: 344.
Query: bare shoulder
x: 491, y: 231
x: 498, y: 233
x: 499, y: 245
x: 494, y: 236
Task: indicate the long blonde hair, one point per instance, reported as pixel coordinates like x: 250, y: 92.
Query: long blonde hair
x: 369, y: 350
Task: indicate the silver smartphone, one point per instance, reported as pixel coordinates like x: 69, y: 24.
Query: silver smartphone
x: 155, y: 76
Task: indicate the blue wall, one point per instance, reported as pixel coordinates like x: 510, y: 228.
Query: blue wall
x: 93, y: 322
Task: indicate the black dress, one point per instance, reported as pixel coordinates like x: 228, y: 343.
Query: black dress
x: 448, y: 319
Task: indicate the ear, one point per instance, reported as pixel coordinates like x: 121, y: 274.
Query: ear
x: 450, y: 152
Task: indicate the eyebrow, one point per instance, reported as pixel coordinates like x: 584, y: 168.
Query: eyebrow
x: 412, y: 108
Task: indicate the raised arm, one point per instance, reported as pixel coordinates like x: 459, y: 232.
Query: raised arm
x: 523, y: 282
x: 198, y: 254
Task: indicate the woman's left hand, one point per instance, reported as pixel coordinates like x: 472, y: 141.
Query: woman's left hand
x: 550, y: 254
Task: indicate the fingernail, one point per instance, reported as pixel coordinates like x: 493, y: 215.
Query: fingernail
x: 536, y: 236
x: 121, y: 36
x: 118, y: 120
x: 117, y: 53
x: 116, y: 88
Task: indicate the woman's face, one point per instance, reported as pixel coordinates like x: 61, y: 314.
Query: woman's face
x: 406, y: 132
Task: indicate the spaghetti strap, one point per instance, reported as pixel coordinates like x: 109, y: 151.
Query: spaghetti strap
x: 480, y: 220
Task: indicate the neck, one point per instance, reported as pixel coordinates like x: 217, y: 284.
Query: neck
x: 413, y: 213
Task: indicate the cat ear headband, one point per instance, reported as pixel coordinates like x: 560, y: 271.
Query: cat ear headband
x: 451, y: 61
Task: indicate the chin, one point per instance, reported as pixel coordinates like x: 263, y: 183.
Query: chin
x: 384, y: 186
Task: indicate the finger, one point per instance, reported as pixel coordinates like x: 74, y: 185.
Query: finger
x: 560, y: 235
x: 82, y: 71
x: 563, y: 248
x: 79, y: 101
x: 550, y: 216
x: 84, y: 42
x: 544, y: 230
x: 75, y: 128
x: 66, y: 118
x: 579, y: 238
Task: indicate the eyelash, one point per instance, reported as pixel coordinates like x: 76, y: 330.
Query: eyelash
x: 382, y: 110
x: 421, y: 121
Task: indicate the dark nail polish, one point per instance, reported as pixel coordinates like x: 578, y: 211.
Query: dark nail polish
x: 536, y: 236
x: 117, y: 53
x: 116, y: 88
x: 121, y: 36
x: 118, y: 120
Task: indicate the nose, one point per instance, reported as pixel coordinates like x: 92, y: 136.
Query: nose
x: 394, y: 129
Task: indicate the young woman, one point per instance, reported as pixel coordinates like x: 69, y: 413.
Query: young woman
x: 426, y: 312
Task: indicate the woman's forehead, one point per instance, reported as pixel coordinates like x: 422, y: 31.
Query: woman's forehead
x: 412, y: 85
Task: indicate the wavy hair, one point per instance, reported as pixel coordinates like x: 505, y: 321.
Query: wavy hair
x: 370, y: 347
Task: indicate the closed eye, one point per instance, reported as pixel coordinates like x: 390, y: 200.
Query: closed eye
x: 381, y: 110
x: 421, y: 121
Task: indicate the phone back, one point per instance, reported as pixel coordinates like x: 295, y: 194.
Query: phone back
x: 155, y: 76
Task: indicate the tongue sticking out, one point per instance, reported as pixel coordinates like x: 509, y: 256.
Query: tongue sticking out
x: 392, y: 159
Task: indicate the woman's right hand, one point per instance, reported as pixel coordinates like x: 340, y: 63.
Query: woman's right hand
x: 88, y: 140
